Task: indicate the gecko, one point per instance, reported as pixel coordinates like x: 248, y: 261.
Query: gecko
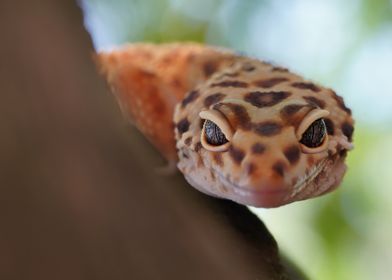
x: 237, y: 127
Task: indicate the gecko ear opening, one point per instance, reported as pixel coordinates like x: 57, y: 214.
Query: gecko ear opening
x: 312, y: 132
x: 216, y: 133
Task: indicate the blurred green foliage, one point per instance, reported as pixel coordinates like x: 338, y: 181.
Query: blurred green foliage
x: 375, y: 13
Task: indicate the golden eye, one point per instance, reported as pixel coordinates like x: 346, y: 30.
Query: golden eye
x: 214, y: 135
x: 315, y: 134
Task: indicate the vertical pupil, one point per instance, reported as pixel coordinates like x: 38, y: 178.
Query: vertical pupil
x: 214, y: 134
x: 313, y: 137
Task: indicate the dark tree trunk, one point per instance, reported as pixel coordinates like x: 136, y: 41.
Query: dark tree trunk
x: 79, y: 198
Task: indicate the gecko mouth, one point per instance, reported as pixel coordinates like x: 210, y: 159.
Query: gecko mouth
x: 325, y: 178
x: 268, y: 198
x: 314, y: 183
x: 310, y: 176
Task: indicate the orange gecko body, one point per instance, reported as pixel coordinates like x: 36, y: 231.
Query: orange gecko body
x: 149, y: 81
x: 238, y: 128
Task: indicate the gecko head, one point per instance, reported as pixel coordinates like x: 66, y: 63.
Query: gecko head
x: 264, y: 141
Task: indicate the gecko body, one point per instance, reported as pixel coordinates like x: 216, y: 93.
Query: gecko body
x: 238, y: 128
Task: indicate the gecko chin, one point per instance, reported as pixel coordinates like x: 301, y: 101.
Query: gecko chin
x: 323, y: 178
x: 267, y: 197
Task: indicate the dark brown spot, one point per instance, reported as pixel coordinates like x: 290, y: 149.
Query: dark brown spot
x: 279, y: 168
x: 348, y: 130
x: 213, y: 98
x: 191, y: 96
x: 330, y: 126
x: 236, y: 154
x: 293, y: 114
x: 340, y: 102
x: 236, y: 84
x: 292, y: 154
x: 343, y: 153
x: 209, y: 68
x: 303, y: 85
x: 202, y: 121
x: 267, y: 128
x: 184, y: 154
x: 290, y: 110
x: 315, y: 101
x: 268, y: 83
x: 250, y: 168
x: 279, y: 69
x: 241, y: 117
x: 258, y: 148
x: 248, y: 67
x: 188, y: 141
x: 265, y: 99
x: 183, y: 126
x: 198, y: 146
x: 217, y: 158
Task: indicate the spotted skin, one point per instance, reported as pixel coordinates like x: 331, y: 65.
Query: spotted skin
x: 150, y: 80
x: 265, y: 107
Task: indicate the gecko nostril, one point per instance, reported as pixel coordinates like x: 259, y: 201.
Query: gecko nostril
x: 279, y: 168
x: 292, y: 154
x: 258, y: 148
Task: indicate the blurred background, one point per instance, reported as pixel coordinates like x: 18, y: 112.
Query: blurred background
x: 346, y: 45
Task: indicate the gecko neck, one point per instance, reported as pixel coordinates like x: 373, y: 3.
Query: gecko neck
x: 148, y: 81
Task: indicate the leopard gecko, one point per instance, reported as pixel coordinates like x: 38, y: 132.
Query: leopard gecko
x: 237, y: 127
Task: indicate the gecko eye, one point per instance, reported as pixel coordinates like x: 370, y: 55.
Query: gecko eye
x: 216, y: 131
x: 314, y: 136
x: 312, y: 132
x: 213, y: 134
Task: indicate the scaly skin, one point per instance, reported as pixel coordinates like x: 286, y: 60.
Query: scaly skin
x: 261, y: 109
